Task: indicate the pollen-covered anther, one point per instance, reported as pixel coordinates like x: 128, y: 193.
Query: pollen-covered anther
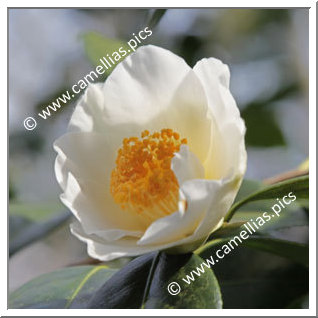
x: 142, y: 181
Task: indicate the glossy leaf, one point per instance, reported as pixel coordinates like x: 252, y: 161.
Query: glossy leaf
x: 143, y: 283
x: 126, y: 288
x: 69, y: 287
x: 251, y: 278
x: 203, y: 292
x: 299, y: 186
x: 288, y: 218
x: 294, y: 251
x: 291, y: 216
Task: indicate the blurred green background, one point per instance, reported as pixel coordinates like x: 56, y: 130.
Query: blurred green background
x: 266, y: 50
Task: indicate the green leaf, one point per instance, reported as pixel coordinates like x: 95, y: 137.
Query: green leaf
x: 143, y: 283
x: 248, y: 187
x: 126, y: 288
x: 288, y: 218
x: 299, y: 186
x: 155, y: 18
x: 292, y: 215
x: 204, y: 292
x: 262, y: 127
x: 294, y: 251
x: 251, y: 278
x: 23, y: 232
x: 69, y: 287
x: 226, y: 231
x: 97, y: 46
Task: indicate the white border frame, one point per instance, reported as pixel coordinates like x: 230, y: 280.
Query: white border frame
x: 312, y: 154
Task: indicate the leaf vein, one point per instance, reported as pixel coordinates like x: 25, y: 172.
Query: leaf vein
x: 82, y: 283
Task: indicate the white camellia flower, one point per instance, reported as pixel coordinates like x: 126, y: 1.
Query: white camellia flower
x: 154, y: 157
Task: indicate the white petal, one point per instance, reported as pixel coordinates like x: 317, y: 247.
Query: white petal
x: 143, y: 85
x: 151, y: 89
x: 94, y: 208
x: 216, y: 196
x: 89, y: 156
x: 180, y: 224
x: 227, y: 149
x: 136, y: 91
x: 213, y: 74
x: 108, y: 235
x: 83, y: 169
x: 89, y: 114
x: 186, y: 165
x: 207, y: 203
x: 104, y: 250
x: 127, y: 246
x: 155, y: 89
x: 188, y: 114
x: 172, y: 228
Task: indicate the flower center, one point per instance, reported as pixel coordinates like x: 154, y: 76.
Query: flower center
x: 142, y: 181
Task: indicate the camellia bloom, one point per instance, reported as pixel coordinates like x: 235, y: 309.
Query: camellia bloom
x: 154, y: 157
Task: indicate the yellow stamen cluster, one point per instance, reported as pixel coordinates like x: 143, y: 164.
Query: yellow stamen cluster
x: 143, y: 181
